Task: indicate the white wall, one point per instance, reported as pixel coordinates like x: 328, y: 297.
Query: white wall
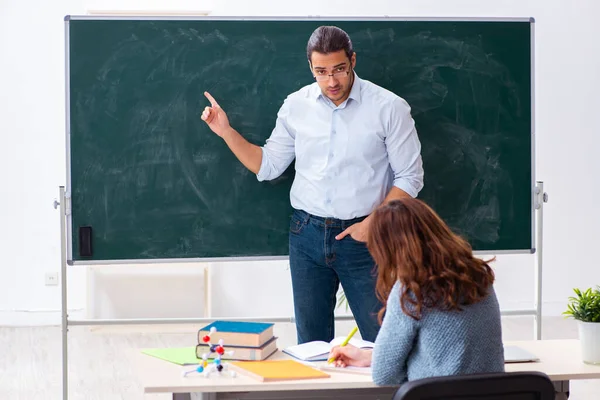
x: 32, y: 152
x: 32, y: 156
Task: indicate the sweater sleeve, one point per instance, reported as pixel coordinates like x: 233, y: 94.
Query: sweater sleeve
x: 394, y: 343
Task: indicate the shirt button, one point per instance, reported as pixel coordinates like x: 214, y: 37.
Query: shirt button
x: 333, y: 132
x: 328, y: 201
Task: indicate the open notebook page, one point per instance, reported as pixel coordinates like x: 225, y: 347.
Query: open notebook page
x: 354, y: 342
x: 319, y: 350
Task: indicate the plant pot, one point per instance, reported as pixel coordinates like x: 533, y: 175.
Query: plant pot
x: 589, y: 336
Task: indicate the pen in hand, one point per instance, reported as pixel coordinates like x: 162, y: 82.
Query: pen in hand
x: 345, y: 342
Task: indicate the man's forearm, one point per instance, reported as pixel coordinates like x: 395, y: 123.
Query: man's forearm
x: 359, y: 230
x: 394, y: 194
x: 249, y: 154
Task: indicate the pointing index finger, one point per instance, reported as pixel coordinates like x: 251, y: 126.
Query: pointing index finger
x: 212, y: 100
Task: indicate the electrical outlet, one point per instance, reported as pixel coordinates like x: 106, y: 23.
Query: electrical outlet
x: 51, y: 278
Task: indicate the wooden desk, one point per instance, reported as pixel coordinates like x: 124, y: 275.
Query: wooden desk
x: 559, y: 359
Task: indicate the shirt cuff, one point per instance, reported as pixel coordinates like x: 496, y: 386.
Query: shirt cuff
x: 403, y: 184
x: 263, y: 172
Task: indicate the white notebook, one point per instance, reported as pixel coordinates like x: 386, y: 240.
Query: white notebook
x: 319, y: 350
x: 515, y: 354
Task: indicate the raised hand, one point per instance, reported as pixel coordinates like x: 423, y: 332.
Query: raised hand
x: 215, y: 117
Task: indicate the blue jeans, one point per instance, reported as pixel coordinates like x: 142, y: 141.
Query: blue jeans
x: 318, y: 264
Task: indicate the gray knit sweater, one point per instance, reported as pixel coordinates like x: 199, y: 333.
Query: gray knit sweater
x: 440, y: 343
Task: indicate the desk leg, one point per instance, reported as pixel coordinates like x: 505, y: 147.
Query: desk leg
x: 561, y: 389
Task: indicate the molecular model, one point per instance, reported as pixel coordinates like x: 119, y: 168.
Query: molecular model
x: 205, y: 368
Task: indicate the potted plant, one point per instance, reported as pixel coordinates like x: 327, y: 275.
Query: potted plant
x: 585, y: 308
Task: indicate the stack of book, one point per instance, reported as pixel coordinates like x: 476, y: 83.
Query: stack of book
x: 249, y: 341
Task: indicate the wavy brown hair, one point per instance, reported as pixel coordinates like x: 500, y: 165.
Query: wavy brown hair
x: 410, y: 243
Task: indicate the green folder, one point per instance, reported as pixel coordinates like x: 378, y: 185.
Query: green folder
x: 181, y: 355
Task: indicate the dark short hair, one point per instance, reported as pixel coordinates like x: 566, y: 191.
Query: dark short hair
x: 329, y: 39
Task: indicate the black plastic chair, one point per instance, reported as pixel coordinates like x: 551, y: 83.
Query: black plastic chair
x: 497, y: 386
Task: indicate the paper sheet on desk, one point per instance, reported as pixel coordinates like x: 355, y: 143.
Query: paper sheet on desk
x: 349, y: 369
x: 180, y: 356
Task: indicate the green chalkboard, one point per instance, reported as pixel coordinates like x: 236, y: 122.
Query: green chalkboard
x: 153, y: 182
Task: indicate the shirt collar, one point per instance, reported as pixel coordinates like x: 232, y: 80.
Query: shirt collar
x: 354, y: 92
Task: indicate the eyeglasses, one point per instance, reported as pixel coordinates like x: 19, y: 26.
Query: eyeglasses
x: 340, y: 73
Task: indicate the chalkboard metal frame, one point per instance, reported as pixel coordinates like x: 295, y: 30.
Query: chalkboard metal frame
x: 538, y: 198
x: 69, y: 230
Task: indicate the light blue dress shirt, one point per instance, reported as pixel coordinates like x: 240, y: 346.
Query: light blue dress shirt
x: 347, y: 156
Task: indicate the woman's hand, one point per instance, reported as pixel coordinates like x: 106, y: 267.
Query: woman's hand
x: 351, y: 356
